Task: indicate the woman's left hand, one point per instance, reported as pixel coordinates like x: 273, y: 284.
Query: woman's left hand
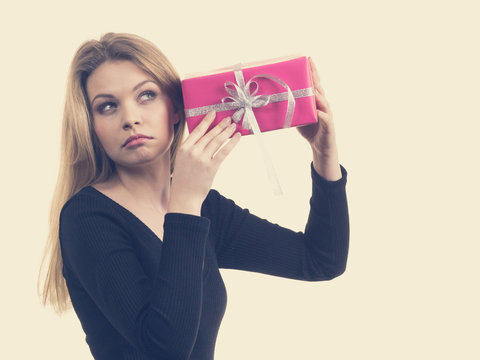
x: 320, y: 135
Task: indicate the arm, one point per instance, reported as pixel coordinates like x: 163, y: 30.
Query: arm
x: 247, y: 242
x: 162, y: 318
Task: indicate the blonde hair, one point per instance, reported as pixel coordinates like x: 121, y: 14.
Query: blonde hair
x: 82, y: 160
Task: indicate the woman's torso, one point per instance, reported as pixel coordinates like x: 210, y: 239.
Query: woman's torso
x: 145, y: 229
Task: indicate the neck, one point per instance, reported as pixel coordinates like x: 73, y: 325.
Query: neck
x: 148, y: 185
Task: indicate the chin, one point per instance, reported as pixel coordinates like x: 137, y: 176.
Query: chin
x: 142, y: 158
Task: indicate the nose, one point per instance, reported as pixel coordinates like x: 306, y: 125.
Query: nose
x: 129, y: 124
x: 130, y: 117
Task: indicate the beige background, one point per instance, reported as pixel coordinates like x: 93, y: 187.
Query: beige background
x: 403, y: 81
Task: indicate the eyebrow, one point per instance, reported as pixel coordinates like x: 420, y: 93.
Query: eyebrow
x: 109, y: 96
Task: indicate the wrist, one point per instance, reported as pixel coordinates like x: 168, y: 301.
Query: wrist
x: 327, y: 165
x: 184, y: 208
x: 180, y: 203
x: 330, y: 151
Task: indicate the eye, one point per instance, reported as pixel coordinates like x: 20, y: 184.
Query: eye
x: 106, y: 107
x: 147, y: 95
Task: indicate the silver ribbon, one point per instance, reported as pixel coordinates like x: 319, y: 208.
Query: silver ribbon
x: 244, y: 101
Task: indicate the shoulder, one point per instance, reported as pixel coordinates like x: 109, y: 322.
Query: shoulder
x: 89, y: 209
x: 87, y: 199
x: 222, y: 211
x: 217, y: 205
x: 90, y: 223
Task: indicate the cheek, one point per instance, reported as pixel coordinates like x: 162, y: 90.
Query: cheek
x: 162, y: 118
x: 101, y: 130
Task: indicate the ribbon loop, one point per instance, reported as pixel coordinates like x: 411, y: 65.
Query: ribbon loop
x: 256, y: 87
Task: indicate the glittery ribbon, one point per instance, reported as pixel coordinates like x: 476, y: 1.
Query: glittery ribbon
x: 244, y: 101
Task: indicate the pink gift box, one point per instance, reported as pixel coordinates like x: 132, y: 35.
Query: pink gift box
x: 204, y: 91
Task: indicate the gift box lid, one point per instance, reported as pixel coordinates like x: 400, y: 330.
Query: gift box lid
x: 244, y: 66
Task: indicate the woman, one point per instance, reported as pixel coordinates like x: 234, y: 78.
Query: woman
x: 137, y: 236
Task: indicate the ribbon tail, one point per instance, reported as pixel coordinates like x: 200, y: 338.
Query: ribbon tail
x: 272, y: 175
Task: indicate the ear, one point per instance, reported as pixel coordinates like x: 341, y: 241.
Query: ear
x: 176, y: 118
x: 176, y: 115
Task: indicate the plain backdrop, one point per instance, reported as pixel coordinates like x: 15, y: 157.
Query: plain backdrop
x: 402, y: 78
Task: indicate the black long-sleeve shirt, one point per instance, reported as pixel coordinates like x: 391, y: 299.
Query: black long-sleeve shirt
x: 141, y: 297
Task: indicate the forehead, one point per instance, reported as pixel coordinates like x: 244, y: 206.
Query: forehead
x: 115, y: 76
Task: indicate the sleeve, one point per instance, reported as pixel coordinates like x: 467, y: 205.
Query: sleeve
x: 160, y: 318
x: 248, y: 242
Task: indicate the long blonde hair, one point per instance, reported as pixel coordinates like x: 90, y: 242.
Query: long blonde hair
x: 82, y: 160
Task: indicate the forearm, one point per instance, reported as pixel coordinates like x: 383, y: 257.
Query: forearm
x: 328, y: 224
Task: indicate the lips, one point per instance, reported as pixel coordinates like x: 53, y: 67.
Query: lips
x: 135, y: 137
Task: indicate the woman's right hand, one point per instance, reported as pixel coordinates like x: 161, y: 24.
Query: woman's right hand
x: 195, y: 165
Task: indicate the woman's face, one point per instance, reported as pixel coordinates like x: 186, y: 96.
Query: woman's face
x: 125, y: 101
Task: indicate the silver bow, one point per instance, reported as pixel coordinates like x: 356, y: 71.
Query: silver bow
x: 242, y: 99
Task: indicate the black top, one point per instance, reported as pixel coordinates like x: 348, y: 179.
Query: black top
x: 138, y: 297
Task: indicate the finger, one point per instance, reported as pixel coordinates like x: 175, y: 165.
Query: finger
x: 325, y: 122
x: 321, y: 102
x: 214, y: 132
x: 324, y: 115
x: 315, y: 76
x: 227, y: 148
x: 217, y: 142
x: 200, y: 129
